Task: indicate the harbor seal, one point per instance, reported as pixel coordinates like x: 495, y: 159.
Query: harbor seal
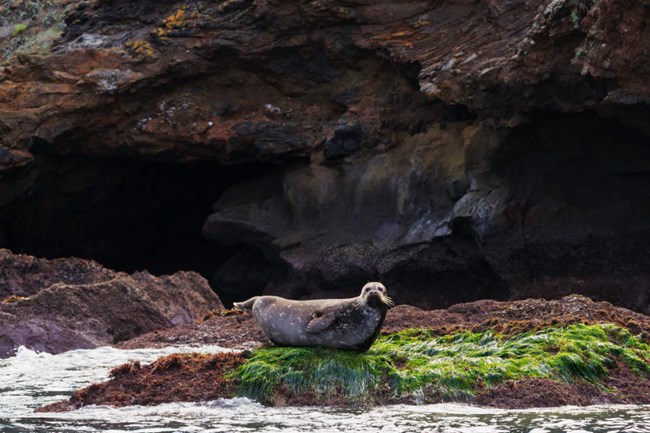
x: 351, y: 324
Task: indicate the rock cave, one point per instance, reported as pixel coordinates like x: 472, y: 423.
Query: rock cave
x: 304, y: 158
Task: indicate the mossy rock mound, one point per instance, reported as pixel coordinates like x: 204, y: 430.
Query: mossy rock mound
x: 413, y: 366
x: 576, y: 364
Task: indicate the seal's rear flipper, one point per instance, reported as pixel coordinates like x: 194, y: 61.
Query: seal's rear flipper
x: 246, y: 305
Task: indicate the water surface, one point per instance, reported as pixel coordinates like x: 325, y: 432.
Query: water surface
x: 30, y: 380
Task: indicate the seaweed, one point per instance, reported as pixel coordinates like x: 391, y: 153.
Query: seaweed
x: 414, y: 365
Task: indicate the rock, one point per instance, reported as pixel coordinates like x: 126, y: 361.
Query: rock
x: 479, y: 212
x: 245, y: 272
x: 496, y: 148
x: 66, y: 304
x: 346, y: 140
x: 363, y: 217
x: 240, y: 331
x: 593, y: 376
x: 190, y: 40
x: 25, y: 275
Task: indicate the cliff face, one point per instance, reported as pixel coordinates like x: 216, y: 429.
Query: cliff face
x: 455, y: 150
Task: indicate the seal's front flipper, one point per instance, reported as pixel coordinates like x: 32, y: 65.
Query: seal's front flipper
x: 320, y: 322
x: 246, y: 305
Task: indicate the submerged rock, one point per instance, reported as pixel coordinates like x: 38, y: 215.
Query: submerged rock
x: 64, y: 304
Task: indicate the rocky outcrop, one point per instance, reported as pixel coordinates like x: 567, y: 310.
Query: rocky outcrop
x: 454, y: 150
x: 64, y: 304
x: 23, y: 275
x: 578, y: 320
x: 240, y: 331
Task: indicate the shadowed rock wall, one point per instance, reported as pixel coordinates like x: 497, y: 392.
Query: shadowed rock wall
x: 454, y: 150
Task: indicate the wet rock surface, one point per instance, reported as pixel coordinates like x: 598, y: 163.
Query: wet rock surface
x: 455, y: 151
x: 152, y: 384
x: 239, y: 331
x: 182, y: 377
x: 64, y: 304
x: 233, y: 330
x: 191, y: 371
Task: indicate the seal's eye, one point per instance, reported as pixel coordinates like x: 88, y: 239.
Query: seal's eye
x: 367, y: 289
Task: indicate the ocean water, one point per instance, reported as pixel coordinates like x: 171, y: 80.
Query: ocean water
x: 30, y: 380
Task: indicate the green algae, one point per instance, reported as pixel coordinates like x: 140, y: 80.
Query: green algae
x: 36, y: 25
x: 416, y: 365
x: 319, y: 370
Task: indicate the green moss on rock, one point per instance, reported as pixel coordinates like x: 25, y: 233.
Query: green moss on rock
x: 34, y: 24
x: 414, y: 365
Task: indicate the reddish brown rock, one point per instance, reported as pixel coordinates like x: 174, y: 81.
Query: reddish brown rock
x: 233, y: 330
x: 478, y: 54
x: 623, y: 386
x: 25, y: 275
x: 454, y: 150
x: 65, y: 304
x: 179, y: 377
x: 239, y: 331
x: 195, y: 377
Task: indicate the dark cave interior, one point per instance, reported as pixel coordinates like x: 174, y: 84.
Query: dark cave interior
x: 132, y: 214
x: 126, y: 214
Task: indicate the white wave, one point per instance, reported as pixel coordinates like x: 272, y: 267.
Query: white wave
x: 30, y: 379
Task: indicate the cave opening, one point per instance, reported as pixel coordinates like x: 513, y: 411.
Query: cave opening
x: 573, y: 183
x: 127, y: 214
x: 578, y: 208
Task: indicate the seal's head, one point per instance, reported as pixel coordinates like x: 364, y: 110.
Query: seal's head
x: 375, y: 295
